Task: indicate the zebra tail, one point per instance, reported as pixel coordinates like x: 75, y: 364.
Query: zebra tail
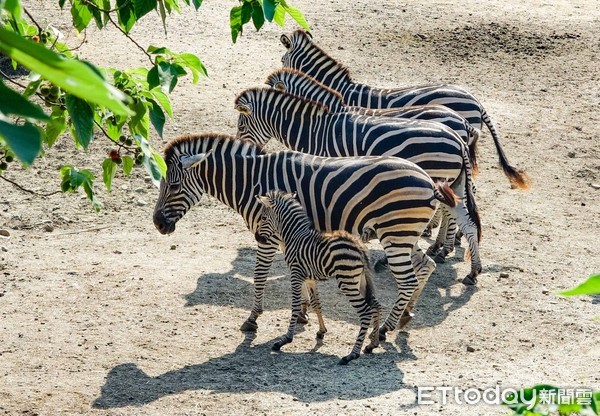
x: 473, y: 148
x: 445, y: 194
x: 472, y: 207
x: 369, y: 286
x: 518, y: 178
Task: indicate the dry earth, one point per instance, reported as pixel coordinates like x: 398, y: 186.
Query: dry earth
x: 105, y: 316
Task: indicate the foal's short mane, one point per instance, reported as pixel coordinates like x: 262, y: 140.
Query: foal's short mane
x: 175, y: 145
x: 305, y: 37
x: 301, y: 74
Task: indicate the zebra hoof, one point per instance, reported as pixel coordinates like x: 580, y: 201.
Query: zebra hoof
x: 426, y: 233
x: 405, y: 319
x: 302, y: 318
x: 457, y: 242
x: 276, y: 347
x: 382, y: 336
x: 470, y: 280
x: 369, y: 348
x: 345, y: 360
x: 320, y: 334
x: 249, y: 326
x: 439, y: 258
x: 381, y: 265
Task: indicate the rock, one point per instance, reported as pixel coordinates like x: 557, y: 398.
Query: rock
x: 4, y: 233
x: 173, y: 247
x: 470, y: 349
x: 140, y: 190
x: 546, y: 292
x: 4, y: 249
x: 48, y: 228
x: 141, y: 203
x: 571, y: 154
x: 504, y: 275
x: 596, y: 185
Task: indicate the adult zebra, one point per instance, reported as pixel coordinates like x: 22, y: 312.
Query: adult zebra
x: 312, y: 255
x: 309, y: 127
x: 305, y: 56
x: 298, y: 83
x: 394, y: 197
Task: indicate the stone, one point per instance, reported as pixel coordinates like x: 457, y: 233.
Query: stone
x: 470, y: 349
x: 504, y: 275
x: 4, y: 233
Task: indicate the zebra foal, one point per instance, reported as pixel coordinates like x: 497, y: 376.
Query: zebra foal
x: 312, y: 255
x: 304, y: 55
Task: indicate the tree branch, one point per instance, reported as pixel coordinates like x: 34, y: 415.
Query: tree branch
x: 40, y: 30
x: 28, y: 190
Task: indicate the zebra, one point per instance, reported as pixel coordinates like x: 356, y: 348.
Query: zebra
x: 305, y: 56
x: 309, y: 127
x: 391, y: 196
x: 300, y: 84
x: 312, y: 255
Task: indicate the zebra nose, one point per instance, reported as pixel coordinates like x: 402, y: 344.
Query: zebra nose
x: 162, y: 224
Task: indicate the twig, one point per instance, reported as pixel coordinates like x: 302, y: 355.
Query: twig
x: 28, y: 190
x: 86, y: 230
x: 5, y: 76
x: 40, y: 30
x: 116, y: 9
x: 8, y: 78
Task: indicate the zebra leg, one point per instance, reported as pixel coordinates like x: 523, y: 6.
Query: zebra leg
x: 264, y: 258
x: 374, y: 336
x: 306, y: 298
x: 434, y: 222
x: 296, y: 295
x: 311, y: 286
x: 424, y: 267
x: 351, y: 287
x: 470, y: 231
x: 399, y: 259
x: 440, y: 256
x: 439, y: 240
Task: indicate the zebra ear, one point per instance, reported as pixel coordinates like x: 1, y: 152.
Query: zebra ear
x: 294, y: 195
x: 244, y: 109
x: 188, y: 162
x: 286, y: 41
x: 265, y: 200
x: 309, y: 35
x: 279, y: 86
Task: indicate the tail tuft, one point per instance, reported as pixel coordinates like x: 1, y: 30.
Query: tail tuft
x: 445, y: 194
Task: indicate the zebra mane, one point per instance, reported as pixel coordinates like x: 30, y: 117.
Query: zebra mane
x: 263, y: 91
x: 280, y: 73
x: 294, y: 206
x: 192, y: 143
x: 302, y: 38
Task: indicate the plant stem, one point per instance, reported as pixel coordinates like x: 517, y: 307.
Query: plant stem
x: 28, y: 190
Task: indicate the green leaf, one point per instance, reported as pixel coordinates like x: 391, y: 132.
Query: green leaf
x: 270, y: 6
x: 163, y: 14
x: 55, y: 127
x: 127, y: 164
x: 258, y: 17
x: 82, y: 118
x: 82, y: 15
x: 12, y: 103
x: 25, y: 141
x: 157, y: 117
x: 89, y: 191
x: 162, y: 165
x: 71, y: 75
x: 235, y: 22
x: 279, y: 16
x: 143, y: 7
x: 163, y: 100
x: 197, y: 3
x: 14, y: 8
x: 193, y: 62
x: 61, y: 3
x: 150, y: 161
x: 590, y: 287
x: 109, y: 169
x: 152, y: 78
x: 167, y: 76
x: 126, y: 14
x: 33, y: 86
x: 296, y: 15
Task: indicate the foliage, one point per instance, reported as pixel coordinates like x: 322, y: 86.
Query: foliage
x: 545, y: 400
x: 548, y: 398
x: 119, y: 105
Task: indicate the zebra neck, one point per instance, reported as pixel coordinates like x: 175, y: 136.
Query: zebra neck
x: 294, y: 225
x: 361, y: 95
x: 321, y: 95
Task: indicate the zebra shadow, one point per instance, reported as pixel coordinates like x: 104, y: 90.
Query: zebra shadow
x: 442, y: 295
x: 308, y: 377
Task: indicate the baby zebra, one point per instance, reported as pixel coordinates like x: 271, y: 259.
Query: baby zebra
x: 312, y: 255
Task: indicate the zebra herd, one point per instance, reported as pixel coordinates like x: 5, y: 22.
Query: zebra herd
x: 362, y: 161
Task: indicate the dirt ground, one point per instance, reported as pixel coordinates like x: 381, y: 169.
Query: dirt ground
x: 102, y: 315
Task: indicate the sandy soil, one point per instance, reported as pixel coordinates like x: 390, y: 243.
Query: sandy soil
x: 102, y: 315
